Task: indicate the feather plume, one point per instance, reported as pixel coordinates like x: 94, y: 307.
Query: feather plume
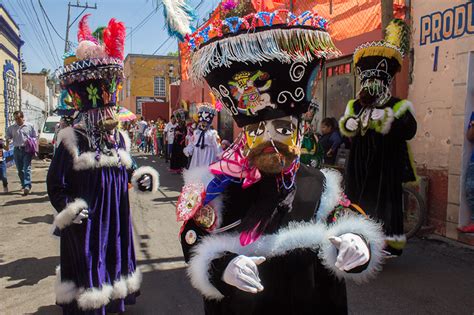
x: 114, y: 38
x: 98, y: 34
x: 179, y: 16
x: 397, y: 33
x: 84, y: 32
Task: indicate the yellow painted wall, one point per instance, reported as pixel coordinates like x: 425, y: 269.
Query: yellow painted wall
x: 4, y: 56
x: 140, y: 71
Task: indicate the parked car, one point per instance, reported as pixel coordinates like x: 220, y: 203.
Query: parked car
x: 45, y: 142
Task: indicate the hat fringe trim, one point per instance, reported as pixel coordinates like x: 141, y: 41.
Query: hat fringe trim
x: 384, y: 50
x: 285, y: 45
x: 88, y: 63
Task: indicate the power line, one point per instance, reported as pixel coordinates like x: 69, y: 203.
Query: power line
x: 41, y: 40
x: 55, y: 55
x: 144, y: 21
x: 50, y: 36
x: 23, y: 33
x: 46, y: 15
x: 35, y: 33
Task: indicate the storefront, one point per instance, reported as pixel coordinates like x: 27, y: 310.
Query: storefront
x: 442, y: 91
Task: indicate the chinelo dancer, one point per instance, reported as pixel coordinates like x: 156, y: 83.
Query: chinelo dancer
x: 88, y: 182
x: 262, y: 233
x: 203, y: 147
x: 380, y: 125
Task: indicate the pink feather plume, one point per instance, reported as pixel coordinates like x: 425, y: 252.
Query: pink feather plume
x: 84, y: 32
x: 114, y: 38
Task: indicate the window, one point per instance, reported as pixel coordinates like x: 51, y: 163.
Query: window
x: 139, y: 108
x: 159, y: 87
x: 11, y: 97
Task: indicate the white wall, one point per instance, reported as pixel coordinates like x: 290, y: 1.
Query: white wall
x: 34, y: 109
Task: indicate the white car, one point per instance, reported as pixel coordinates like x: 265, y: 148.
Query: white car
x: 46, y: 137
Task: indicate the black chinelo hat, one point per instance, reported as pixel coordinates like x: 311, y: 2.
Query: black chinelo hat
x: 262, y: 65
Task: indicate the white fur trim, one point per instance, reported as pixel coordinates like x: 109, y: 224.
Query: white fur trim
x: 311, y: 235
x: 68, y: 214
x: 134, y: 281
x: 126, y: 140
x: 370, y: 230
x: 146, y: 170
x: 200, y: 174
x: 331, y: 195
x: 407, y: 105
x: 342, y: 127
x: 387, y: 121
x: 94, y: 298
x: 87, y: 160
x: 65, y: 290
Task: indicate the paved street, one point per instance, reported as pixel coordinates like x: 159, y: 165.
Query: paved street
x: 433, y: 276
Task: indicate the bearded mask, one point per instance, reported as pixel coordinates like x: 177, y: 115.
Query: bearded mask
x: 273, y: 145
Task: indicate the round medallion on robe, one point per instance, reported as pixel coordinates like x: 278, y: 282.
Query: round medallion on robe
x: 190, y: 237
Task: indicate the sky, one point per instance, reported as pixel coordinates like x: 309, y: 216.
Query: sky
x: 145, y: 26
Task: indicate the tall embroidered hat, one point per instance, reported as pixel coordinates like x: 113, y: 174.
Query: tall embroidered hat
x: 206, y: 112
x: 383, y: 59
x: 262, y: 65
x: 94, y: 75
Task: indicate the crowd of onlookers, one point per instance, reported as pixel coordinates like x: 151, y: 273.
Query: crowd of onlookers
x: 166, y: 139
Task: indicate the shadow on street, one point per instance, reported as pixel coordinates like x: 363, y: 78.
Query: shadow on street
x: 29, y: 270
x: 47, y: 218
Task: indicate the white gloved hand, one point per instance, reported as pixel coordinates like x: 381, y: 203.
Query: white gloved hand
x: 353, y: 251
x: 377, y: 114
x: 352, y: 124
x: 242, y: 273
x: 145, y: 182
x: 83, y: 214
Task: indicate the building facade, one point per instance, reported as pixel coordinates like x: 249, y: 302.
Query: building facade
x: 10, y: 68
x: 147, y: 82
x: 442, y: 90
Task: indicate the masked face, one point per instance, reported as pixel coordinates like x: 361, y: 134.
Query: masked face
x: 273, y: 145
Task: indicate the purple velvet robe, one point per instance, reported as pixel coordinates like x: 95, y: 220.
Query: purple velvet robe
x: 98, y: 270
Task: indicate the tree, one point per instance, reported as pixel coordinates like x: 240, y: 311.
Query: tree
x: 173, y: 54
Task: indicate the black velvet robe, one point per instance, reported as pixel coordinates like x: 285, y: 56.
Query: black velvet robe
x: 378, y: 164
x: 295, y: 283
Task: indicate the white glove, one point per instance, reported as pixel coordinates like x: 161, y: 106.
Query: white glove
x: 352, y: 124
x: 377, y: 114
x: 242, y: 273
x: 145, y: 182
x: 84, y: 214
x: 353, y: 251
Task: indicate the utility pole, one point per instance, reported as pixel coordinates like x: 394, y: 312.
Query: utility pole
x: 387, y: 14
x: 68, y: 25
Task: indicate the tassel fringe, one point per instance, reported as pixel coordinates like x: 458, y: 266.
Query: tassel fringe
x: 286, y: 45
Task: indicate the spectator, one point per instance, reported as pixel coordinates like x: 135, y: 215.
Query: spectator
x: 142, y: 125
x: 178, y: 160
x: 3, y: 163
x: 160, y: 126
x: 469, y: 184
x: 169, y: 136
x: 19, y: 133
x: 225, y: 144
x: 330, y: 139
